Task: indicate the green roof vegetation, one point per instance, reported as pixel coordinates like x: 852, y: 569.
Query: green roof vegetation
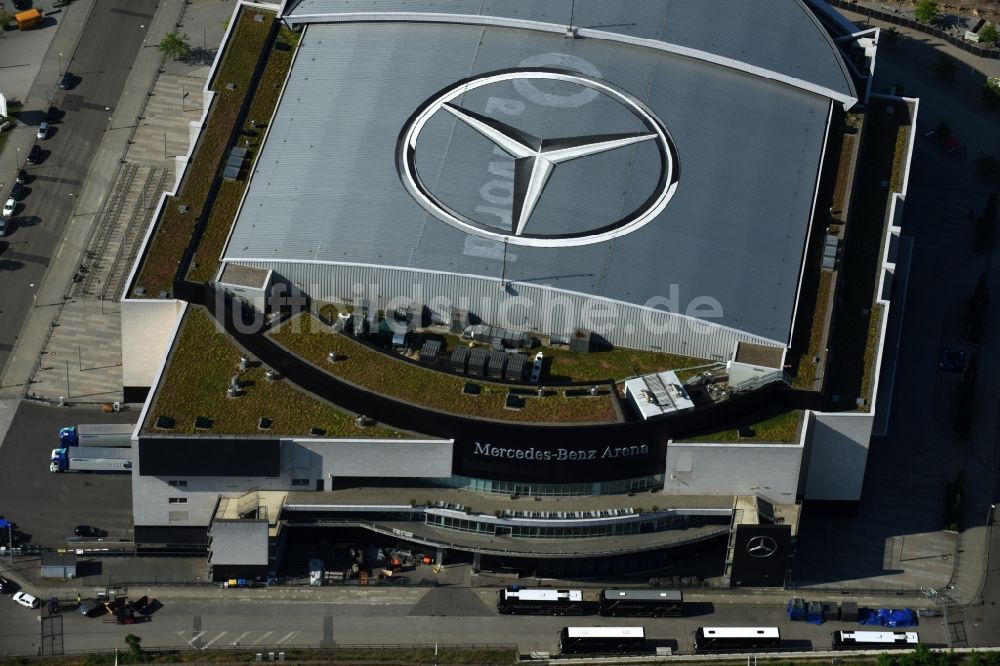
x: 871, y: 355
x: 882, y: 156
x: 227, y: 200
x: 194, y: 384
x: 174, y: 228
x: 769, y: 426
x: 565, y: 366
x: 359, y: 364
x: 805, y: 369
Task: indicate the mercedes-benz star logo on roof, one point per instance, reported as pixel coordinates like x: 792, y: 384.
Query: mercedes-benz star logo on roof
x: 536, y: 159
x: 762, y: 546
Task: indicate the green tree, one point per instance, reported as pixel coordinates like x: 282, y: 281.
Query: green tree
x: 988, y: 34
x: 175, y: 45
x: 134, y: 644
x: 926, y: 11
x: 991, y: 91
x: 945, y: 67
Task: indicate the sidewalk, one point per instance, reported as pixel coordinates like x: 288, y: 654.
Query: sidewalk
x: 149, y: 128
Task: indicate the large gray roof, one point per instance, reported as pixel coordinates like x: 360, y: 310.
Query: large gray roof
x: 782, y: 36
x: 326, y: 186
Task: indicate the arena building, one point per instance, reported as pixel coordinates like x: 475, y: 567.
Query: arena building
x: 640, y: 175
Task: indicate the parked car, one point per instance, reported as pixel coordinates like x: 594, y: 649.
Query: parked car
x: 6, y: 587
x: 43, y: 130
x: 17, y: 192
x: 22, y: 177
x: 91, y: 608
x: 89, y: 532
x: 4, y: 226
x: 26, y: 600
x: 8, y: 208
x: 52, y: 115
x: 67, y: 81
x: 35, y: 154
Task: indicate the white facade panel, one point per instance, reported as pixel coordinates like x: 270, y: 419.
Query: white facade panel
x: 518, y: 306
x: 768, y: 470
x: 147, y: 328
x: 383, y: 458
x: 838, y: 456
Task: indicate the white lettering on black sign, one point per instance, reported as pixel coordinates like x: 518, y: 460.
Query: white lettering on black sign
x: 560, y: 454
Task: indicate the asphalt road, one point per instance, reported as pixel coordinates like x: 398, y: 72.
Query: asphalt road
x: 45, y: 505
x: 112, y: 38
x: 227, y: 619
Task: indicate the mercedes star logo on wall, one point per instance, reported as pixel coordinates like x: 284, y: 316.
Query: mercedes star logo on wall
x: 536, y: 159
x: 762, y: 546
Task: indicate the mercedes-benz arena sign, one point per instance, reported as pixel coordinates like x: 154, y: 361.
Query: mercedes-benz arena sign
x: 536, y: 159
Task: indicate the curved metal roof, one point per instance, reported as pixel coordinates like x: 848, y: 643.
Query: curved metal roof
x: 782, y: 37
x: 327, y: 186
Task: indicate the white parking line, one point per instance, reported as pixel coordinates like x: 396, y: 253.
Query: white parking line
x: 239, y: 638
x: 192, y: 639
x: 205, y: 646
x: 262, y: 638
x: 291, y: 634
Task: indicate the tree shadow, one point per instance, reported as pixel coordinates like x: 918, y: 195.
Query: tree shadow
x: 199, y: 56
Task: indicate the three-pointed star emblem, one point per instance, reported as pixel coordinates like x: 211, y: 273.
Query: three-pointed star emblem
x: 535, y: 158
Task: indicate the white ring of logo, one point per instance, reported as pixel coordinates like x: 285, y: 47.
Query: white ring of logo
x: 545, y: 161
x: 762, y: 546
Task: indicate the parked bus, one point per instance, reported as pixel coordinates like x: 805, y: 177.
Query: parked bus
x: 860, y: 640
x: 726, y: 639
x: 537, y: 601
x: 647, y: 603
x: 605, y: 640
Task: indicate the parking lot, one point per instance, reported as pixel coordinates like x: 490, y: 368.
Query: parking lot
x: 47, y: 506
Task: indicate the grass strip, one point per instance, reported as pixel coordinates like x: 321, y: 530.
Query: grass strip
x: 227, y: 200
x: 199, y: 369
x: 768, y: 426
x: 174, y: 228
x: 311, y: 339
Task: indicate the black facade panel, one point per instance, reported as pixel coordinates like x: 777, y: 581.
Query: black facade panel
x: 155, y: 535
x: 560, y: 459
x: 135, y: 394
x: 205, y: 456
x: 761, y: 556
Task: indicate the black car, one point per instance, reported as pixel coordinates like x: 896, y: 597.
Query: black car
x: 35, y: 154
x: 6, y: 587
x: 17, y: 192
x: 67, y: 81
x: 89, y: 532
x: 21, y: 4
x: 52, y: 115
x: 22, y: 177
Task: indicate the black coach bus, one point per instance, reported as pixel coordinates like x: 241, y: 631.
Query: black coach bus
x: 642, y: 603
x: 603, y: 640
x: 728, y: 639
x: 860, y: 640
x: 536, y: 601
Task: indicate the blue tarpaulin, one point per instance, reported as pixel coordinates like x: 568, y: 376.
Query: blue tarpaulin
x: 884, y: 617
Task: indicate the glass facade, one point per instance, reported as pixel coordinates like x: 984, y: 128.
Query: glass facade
x: 582, y: 531
x: 526, y: 489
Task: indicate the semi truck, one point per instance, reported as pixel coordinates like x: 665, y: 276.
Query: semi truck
x: 98, y: 434
x: 90, y: 459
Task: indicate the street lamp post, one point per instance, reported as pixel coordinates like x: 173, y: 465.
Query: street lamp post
x: 60, y: 64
